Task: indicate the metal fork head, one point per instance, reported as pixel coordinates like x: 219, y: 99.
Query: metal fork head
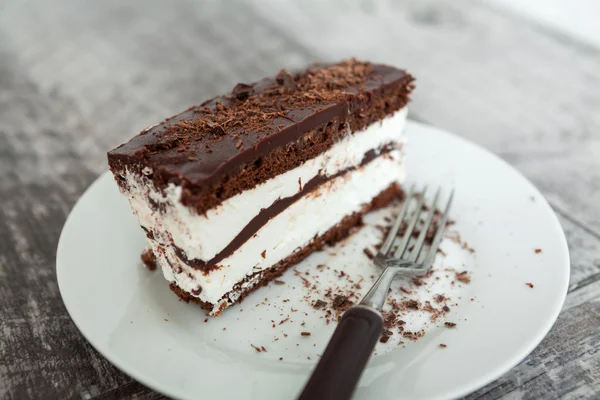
x: 408, y: 258
x: 407, y: 252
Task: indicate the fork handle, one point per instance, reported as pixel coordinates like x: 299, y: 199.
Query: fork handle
x: 346, y: 355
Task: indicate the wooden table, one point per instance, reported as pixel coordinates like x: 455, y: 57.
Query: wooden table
x: 78, y: 78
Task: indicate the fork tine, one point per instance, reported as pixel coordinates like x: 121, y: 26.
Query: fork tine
x: 389, y: 240
x: 439, y: 234
x: 418, y: 247
x: 411, y: 226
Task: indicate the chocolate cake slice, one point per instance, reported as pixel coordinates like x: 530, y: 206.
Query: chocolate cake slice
x: 237, y: 189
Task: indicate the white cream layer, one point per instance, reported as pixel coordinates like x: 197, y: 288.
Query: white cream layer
x: 290, y: 230
x: 204, y: 236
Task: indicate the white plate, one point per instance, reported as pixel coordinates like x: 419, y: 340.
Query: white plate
x: 130, y: 316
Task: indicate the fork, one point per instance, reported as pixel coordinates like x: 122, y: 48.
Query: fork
x: 349, y: 349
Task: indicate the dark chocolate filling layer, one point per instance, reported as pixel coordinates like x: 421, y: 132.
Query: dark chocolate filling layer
x: 279, y: 205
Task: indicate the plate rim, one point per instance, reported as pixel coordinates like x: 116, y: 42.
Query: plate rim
x: 484, y: 379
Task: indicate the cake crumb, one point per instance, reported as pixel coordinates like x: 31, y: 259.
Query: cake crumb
x: 530, y: 284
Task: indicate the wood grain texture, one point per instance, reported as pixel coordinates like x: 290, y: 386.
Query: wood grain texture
x: 77, y: 78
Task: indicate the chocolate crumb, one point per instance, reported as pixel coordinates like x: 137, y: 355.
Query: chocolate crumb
x: 446, y: 308
x: 417, y: 282
x: 263, y: 349
x: 305, y: 333
x: 450, y: 324
x: 369, y: 253
x: 284, y: 321
x: 242, y: 91
x: 206, y: 320
x: 318, y: 304
x: 278, y: 282
x: 412, y: 304
x: 443, y: 346
x: 263, y: 254
x: 341, y: 303
x: 285, y: 79
x: 255, y: 348
x: 280, y: 358
x: 149, y: 259
x: 463, y: 277
x: 529, y: 284
x: 538, y: 251
x: 385, y: 335
x: 197, y: 291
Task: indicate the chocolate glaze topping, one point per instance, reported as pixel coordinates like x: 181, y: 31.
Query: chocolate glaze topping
x: 223, y: 137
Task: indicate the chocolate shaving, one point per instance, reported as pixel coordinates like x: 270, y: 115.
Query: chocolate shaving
x: 256, y: 348
x: 242, y: 91
x: 286, y: 80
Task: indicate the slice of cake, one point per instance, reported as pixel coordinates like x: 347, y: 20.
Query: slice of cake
x: 234, y: 191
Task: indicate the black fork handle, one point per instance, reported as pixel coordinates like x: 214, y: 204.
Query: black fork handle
x: 346, y: 355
